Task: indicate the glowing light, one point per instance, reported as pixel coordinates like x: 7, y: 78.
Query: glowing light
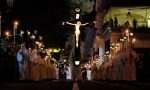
x: 77, y: 16
x: 124, y: 37
x: 89, y: 61
x: 63, y: 23
x: 7, y: 33
x: 50, y: 50
x: 65, y: 60
x: 46, y: 57
x: 56, y: 50
x: 28, y: 32
x: 107, y: 52
x: 121, y: 39
x: 32, y: 37
x: 15, y: 23
x: 110, y: 56
x: 40, y: 44
x: 118, y: 44
x: 127, y: 31
x: 37, y: 42
x: 131, y: 34
x: 133, y: 40
x: 77, y: 62
x: 22, y: 32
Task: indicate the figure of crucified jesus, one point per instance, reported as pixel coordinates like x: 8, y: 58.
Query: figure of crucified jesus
x: 77, y: 29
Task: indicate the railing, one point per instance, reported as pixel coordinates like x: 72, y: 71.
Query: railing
x: 118, y: 28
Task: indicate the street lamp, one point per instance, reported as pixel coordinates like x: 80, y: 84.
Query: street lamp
x: 7, y: 33
x: 21, y: 34
x: 131, y: 35
x: 127, y: 40
x: 127, y: 33
x: 33, y: 38
x: 15, y: 28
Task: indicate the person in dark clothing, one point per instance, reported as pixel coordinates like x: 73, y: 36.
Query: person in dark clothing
x: 62, y: 71
x: 140, y: 68
x: 89, y: 37
x: 2, y: 64
x: 116, y: 21
x: 84, y: 74
x: 12, y: 67
x: 146, y: 67
x: 111, y: 22
x: 134, y: 23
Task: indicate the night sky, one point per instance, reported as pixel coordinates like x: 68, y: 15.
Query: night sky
x: 44, y: 16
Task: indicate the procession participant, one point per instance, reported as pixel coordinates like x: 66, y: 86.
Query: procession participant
x: 22, y: 58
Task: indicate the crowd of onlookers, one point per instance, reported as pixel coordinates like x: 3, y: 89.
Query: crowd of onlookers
x: 9, y: 68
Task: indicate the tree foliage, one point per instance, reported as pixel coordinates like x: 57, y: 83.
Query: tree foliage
x: 86, y: 6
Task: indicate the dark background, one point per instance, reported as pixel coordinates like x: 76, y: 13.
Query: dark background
x: 46, y: 16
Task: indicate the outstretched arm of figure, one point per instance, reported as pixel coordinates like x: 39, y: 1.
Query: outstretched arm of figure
x: 84, y: 24
x: 70, y: 23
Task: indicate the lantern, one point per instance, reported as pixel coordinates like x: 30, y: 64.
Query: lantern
x: 10, y: 3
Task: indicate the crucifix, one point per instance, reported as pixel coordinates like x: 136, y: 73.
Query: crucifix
x: 77, y: 29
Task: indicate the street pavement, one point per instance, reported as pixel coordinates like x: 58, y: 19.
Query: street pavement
x: 68, y: 85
